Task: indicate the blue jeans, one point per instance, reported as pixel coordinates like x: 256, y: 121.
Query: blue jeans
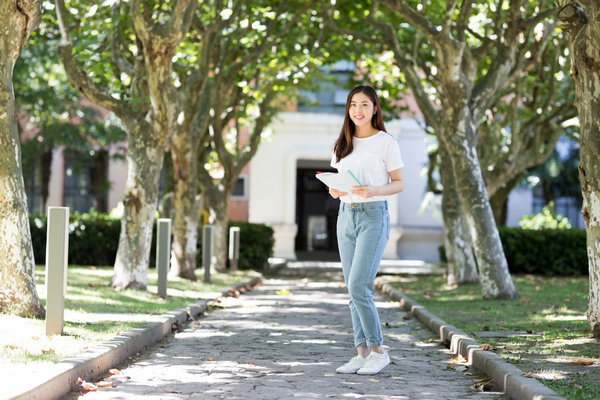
x: 363, y: 230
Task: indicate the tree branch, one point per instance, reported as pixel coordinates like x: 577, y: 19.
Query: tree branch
x: 78, y: 78
x: 413, y: 17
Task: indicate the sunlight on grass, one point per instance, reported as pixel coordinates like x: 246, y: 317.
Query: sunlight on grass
x: 94, y: 313
x: 554, y: 308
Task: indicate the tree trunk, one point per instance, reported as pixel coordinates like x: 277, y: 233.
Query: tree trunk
x: 144, y: 162
x: 462, y: 267
x: 583, y: 29
x: 215, y: 201
x: 458, y: 135
x: 499, y: 200
x: 18, y: 294
x: 186, y: 207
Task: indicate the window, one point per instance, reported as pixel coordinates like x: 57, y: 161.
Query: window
x: 32, y: 177
x: 76, y: 186
x: 240, y: 190
x: 328, y: 95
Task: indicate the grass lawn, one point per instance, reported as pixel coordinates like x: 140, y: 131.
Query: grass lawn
x: 94, y: 313
x: 552, y: 308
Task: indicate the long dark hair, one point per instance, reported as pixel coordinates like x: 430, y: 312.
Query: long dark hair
x: 343, y: 145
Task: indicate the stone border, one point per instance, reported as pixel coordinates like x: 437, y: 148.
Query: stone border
x: 509, y: 378
x: 101, y: 358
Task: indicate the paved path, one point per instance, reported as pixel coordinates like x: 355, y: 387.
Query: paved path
x: 284, y: 340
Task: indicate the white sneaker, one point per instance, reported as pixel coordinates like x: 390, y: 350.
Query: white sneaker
x: 374, y: 363
x: 352, y: 366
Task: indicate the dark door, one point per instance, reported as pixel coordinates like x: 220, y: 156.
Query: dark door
x: 316, y: 217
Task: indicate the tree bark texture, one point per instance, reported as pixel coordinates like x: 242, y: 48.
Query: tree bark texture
x: 18, y: 294
x: 581, y: 22
x: 144, y: 163
x: 185, y: 206
x: 215, y: 198
x: 462, y: 267
x: 458, y: 136
x: 149, y: 124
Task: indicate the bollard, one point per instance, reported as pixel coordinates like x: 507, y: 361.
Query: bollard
x: 234, y: 247
x: 206, y: 251
x: 163, y: 253
x: 57, y: 250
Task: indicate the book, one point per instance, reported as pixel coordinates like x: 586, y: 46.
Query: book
x: 342, y: 181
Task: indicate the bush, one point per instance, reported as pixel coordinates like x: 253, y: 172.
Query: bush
x: 546, y: 251
x: 543, y: 252
x: 256, y: 245
x: 94, y: 238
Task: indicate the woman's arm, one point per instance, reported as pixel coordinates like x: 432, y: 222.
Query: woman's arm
x: 395, y: 186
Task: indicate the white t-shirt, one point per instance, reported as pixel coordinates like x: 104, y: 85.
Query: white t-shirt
x: 371, y: 161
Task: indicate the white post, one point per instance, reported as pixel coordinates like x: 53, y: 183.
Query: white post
x: 163, y: 253
x: 234, y: 247
x: 207, y: 251
x: 57, y: 250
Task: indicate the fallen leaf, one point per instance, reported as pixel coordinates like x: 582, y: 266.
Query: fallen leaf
x: 536, y: 323
x: 565, y: 329
x: 486, y: 347
x: 87, y: 386
x: 459, y: 359
x: 169, y: 390
x: 210, y: 359
x: 485, y: 308
x: 583, y: 361
x: 374, y: 380
x: 283, y: 292
x: 105, y: 384
x: 47, y: 350
x: 534, y: 376
x: 114, y: 371
x: 11, y: 346
x: 252, y: 364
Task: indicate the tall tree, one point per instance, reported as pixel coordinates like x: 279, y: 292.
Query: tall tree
x: 523, y: 125
x: 580, y: 21
x: 127, y: 54
x: 18, y: 294
x: 246, y: 58
x: 456, y: 58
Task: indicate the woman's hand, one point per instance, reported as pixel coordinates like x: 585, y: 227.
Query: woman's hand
x: 336, y: 193
x: 365, y: 191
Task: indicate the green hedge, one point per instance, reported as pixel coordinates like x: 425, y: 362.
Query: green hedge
x: 544, y: 252
x: 94, y: 238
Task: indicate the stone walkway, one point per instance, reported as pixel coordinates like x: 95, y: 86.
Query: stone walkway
x: 284, y: 340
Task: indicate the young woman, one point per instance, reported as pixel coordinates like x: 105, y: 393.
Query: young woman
x: 373, y: 156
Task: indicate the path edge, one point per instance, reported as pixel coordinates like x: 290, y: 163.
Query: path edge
x: 509, y: 378
x: 99, y: 359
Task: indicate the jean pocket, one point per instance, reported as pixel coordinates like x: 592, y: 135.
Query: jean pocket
x: 376, y: 214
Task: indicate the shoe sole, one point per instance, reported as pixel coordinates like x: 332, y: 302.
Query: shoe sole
x: 372, y: 373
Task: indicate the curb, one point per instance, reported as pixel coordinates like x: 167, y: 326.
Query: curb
x: 99, y: 359
x: 509, y: 378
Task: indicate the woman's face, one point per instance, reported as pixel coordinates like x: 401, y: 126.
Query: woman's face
x: 361, y: 110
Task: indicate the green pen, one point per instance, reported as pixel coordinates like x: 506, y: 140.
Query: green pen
x: 355, y: 178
